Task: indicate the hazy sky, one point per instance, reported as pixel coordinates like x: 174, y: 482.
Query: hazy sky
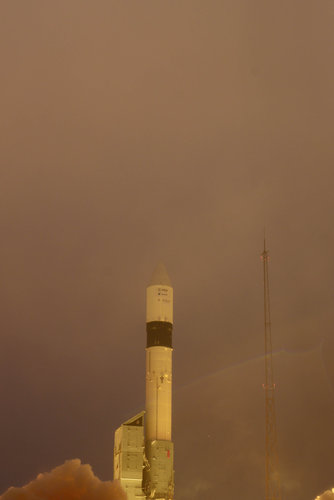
x: 140, y: 131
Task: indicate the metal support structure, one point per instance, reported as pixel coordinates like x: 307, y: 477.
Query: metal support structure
x: 272, y: 476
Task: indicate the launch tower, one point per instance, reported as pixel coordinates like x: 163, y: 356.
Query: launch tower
x: 272, y: 477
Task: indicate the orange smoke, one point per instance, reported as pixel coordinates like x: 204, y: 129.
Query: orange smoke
x: 70, y: 481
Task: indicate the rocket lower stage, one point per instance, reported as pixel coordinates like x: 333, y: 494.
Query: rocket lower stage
x: 152, y: 442
x: 158, y: 393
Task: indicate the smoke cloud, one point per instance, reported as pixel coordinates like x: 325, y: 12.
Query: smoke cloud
x: 70, y: 481
x: 326, y: 495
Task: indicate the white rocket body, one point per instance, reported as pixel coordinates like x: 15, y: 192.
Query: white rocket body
x: 143, y: 447
x: 159, y: 308
x: 159, y: 479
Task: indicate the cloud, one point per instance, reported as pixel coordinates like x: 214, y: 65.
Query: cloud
x: 326, y: 495
x: 70, y: 481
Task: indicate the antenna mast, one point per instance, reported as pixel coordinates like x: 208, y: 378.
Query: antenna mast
x: 273, y: 485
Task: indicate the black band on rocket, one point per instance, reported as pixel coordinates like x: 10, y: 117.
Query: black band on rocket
x: 159, y: 333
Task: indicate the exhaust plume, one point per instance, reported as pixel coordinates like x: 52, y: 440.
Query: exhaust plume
x: 326, y: 495
x: 70, y: 481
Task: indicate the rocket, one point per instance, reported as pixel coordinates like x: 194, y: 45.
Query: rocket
x: 158, y: 478
x: 143, y: 447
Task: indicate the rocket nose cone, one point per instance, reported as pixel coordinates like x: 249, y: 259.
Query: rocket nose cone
x: 160, y: 276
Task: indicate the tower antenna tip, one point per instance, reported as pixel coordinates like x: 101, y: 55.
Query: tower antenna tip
x: 264, y: 240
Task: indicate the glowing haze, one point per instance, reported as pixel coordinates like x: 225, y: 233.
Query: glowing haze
x: 326, y: 495
x: 70, y: 481
x: 139, y: 131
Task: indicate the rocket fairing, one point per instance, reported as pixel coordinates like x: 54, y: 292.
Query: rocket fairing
x: 158, y: 479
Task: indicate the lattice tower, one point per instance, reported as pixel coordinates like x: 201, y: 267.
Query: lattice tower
x: 272, y: 476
